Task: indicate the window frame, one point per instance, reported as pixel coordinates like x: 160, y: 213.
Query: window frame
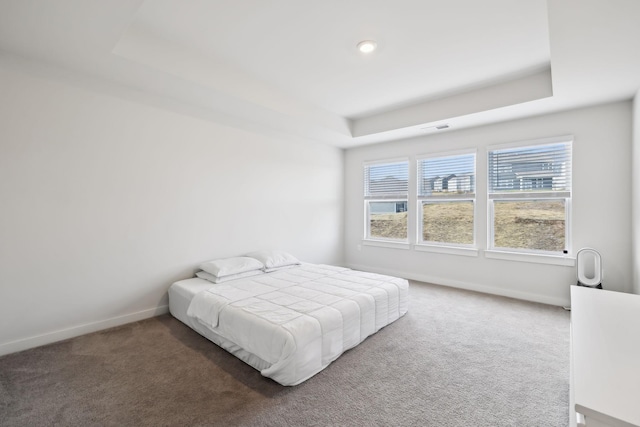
x: 523, y: 254
x: 469, y: 249
x: 391, y: 198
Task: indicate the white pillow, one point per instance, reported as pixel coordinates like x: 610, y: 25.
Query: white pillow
x: 274, y: 259
x: 215, y: 279
x: 228, y: 266
x: 284, y: 267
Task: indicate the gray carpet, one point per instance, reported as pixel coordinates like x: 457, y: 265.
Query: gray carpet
x: 457, y: 358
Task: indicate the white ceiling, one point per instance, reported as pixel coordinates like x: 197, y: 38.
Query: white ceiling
x: 290, y: 67
x: 308, y: 48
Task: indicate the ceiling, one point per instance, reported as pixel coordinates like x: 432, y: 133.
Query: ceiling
x: 290, y: 68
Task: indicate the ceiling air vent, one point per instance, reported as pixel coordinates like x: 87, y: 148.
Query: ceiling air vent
x: 436, y: 127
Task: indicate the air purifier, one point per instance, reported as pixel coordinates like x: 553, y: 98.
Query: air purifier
x: 589, y: 268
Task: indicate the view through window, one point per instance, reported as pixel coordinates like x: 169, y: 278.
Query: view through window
x: 446, y: 195
x: 528, y: 198
x: 386, y: 200
x: 529, y: 195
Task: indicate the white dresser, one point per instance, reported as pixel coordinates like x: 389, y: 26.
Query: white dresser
x: 605, y: 358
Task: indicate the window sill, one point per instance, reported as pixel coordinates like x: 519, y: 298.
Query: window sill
x: 451, y: 250
x: 534, y: 258
x: 386, y: 244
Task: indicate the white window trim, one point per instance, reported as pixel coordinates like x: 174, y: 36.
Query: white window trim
x: 532, y: 257
x: 376, y: 241
x: 529, y: 142
x: 385, y: 161
x: 447, y: 249
x: 450, y: 153
x: 391, y: 244
x: 444, y: 247
x: 529, y: 255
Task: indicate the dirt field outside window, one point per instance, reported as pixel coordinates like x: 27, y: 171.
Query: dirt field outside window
x: 531, y: 224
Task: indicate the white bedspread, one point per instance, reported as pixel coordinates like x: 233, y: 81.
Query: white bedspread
x: 300, y: 319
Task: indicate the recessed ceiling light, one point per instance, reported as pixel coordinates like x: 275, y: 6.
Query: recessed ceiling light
x: 367, y: 46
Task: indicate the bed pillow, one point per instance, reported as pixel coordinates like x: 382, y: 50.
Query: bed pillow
x: 274, y: 259
x: 230, y: 266
x: 284, y: 267
x: 215, y: 279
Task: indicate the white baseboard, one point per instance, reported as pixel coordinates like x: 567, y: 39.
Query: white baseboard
x: 51, y: 337
x: 561, y: 302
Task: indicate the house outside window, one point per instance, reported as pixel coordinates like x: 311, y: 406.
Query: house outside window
x: 446, y: 199
x: 529, y: 197
x: 386, y: 191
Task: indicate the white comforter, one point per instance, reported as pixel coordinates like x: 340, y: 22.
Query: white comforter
x: 300, y: 319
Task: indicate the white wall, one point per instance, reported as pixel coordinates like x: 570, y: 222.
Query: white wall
x: 601, y: 206
x: 635, y: 195
x: 106, y: 202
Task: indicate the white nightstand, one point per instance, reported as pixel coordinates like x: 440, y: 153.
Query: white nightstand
x: 605, y: 358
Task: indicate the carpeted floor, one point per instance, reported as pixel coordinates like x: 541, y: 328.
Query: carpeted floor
x: 457, y: 358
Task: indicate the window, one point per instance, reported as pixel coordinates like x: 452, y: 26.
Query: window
x: 529, y: 192
x: 446, y: 199
x: 386, y: 193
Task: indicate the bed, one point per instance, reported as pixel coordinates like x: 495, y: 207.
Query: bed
x: 289, y: 322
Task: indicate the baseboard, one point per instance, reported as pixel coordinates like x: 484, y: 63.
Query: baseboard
x: 51, y: 337
x: 561, y: 302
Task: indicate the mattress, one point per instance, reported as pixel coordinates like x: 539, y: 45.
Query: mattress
x: 292, y: 323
